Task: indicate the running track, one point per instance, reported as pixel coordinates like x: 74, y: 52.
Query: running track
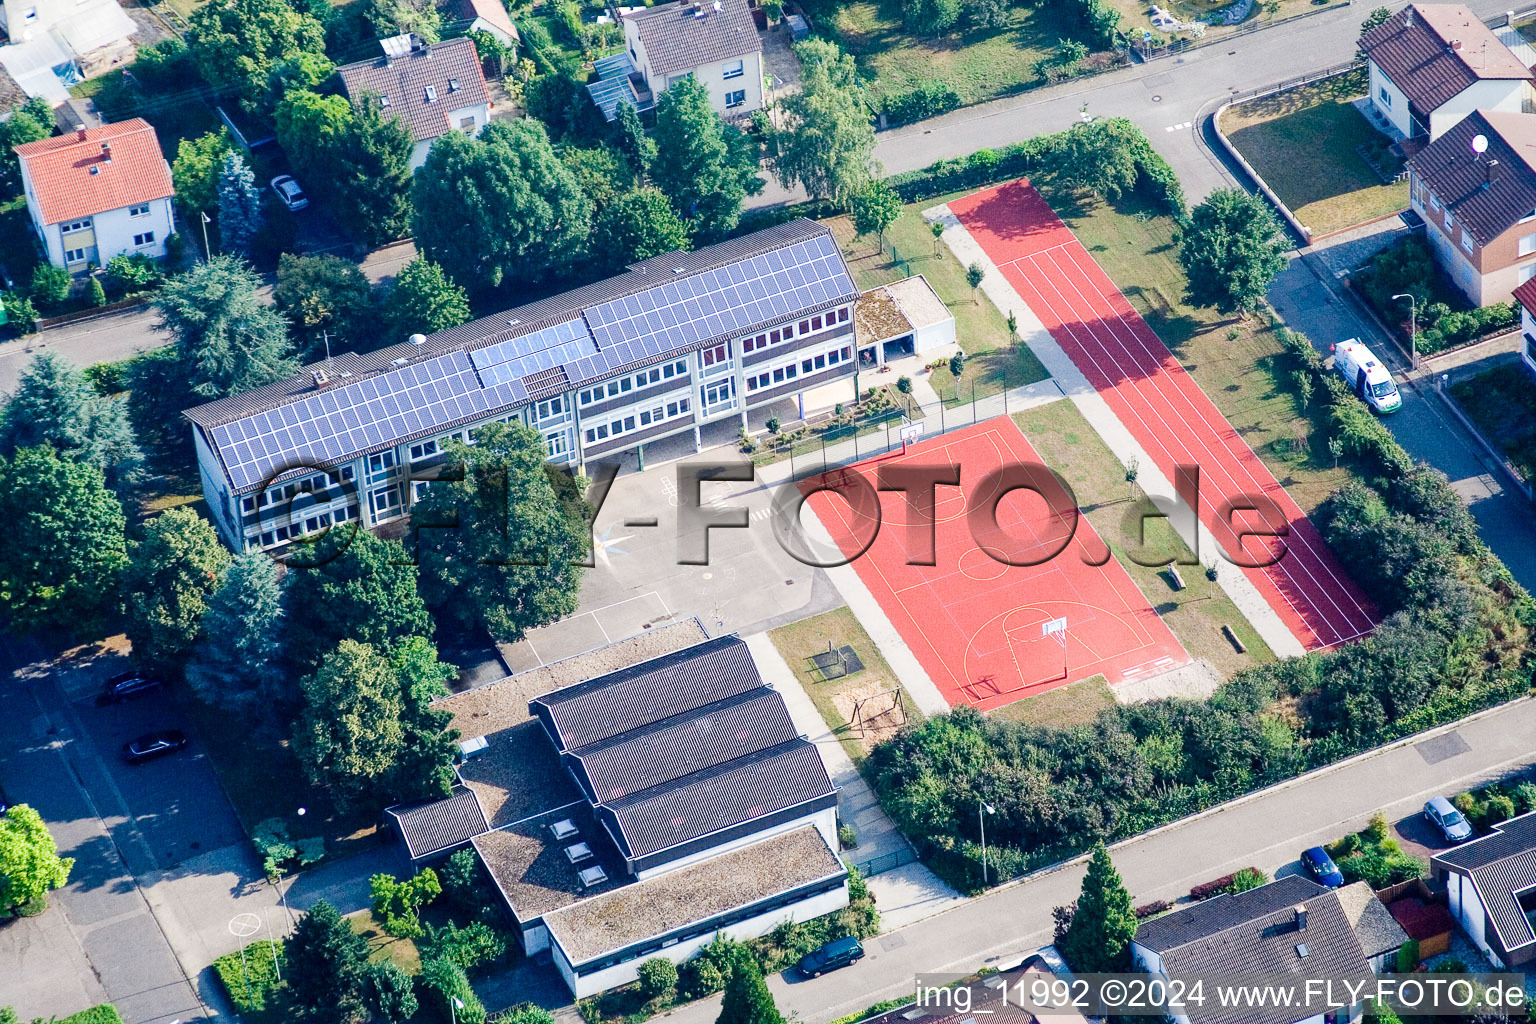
x: 1160, y: 404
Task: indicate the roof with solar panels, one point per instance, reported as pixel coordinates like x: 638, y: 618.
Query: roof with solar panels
x: 339, y: 409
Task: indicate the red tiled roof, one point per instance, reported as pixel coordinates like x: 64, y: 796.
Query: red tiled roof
x: 1526, y: 294
x: 72, y: 178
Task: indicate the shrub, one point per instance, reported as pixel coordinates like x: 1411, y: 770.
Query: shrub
x: 397, y: 903
x: 471, y: 947
x: 773, y: 424
x: 50, y: 285
x: 957, y: 365
x: 1377, y: 830
x: 706, y: 973
x: 442, y: 981
x: 1408, y: 957
x: 904, y: 385
x: 929, y: 98
x: 657, y: 976
x: 1152, y: 909
x: 1451, y: 965
x: 1524, y: 795
x: 1247, y: 878
x: 847, y: 838
x: 468, y: 888
x: 104, y: 1013
x: 1498, y: 808
x: 261, y: 965
x: 1216, y: 886
x: 95, y: 292
x: 20, y: 312
x: 132, y: 273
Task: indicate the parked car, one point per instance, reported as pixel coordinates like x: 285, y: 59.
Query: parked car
x: 1321, y: 867
x: 152, y: 745
x: 289, y: 192
x: 126, y: 685
x: 835, y: 954
x: 1439, y: 813
x: 5, y: 802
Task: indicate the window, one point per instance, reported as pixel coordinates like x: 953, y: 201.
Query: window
x: 735, y: 69
x: 381, y: 462
x: 1527, y: 272
x: 1450, y: 220
x: 467, y: 124
x: 383, y: 500
x: 719, y: 393
x: 1527, y: 245
x: 711, y: 356
x: 419, y: 490
x: 74, y: 255
x: 383, y: 100
x: 83, y: 224
x: 422, y: 450
x: 558, y: 443
x: 735, y: 99
x: 453, y: 85
x: 1466, y: 239
x: 551, y: 407
x: 842, y: 315
x: 141, y: 210
x: 431, y: 94
x: 804, y: 328
x: 146, y: 238
x: 815, y: 323
x: 1385, y: 97
x: 1434, y: 201
x: 248, y: 504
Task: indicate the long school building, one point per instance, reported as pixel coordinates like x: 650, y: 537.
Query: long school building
x: 677, y: 342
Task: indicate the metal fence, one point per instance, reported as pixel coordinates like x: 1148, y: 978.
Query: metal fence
x: 886, y: 861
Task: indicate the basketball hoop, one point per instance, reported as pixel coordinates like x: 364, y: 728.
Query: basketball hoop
x: 910, y: 432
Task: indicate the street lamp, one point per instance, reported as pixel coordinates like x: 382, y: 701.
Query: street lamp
x: 982, y: 810
x: 1413, y: 327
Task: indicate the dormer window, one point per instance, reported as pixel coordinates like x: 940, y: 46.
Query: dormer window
x: 453, y: 85
x: 431, y: 93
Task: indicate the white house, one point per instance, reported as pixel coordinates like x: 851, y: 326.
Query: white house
x: 715, y: 42
x: 433, y: 88
x: 1433, y: 64
x: 98, y: 193
x: 1526, y: 296
x: 1490, y: 885
x: 480, y: 16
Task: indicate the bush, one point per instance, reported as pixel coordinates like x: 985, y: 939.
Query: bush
x: 847, y: 838
x: 468, y: 888
x: 1408, y: 957
x: 20, y: 312
x: 50, y: 285
x: 104, y: 1013
x: 657, y: 976
x: 707, y: 972
x: 442, y: 981
x: 904, y: 385
x: 1524, y: 795
x: 95, y: 292
x: 957, y: 365
x: 262, y: 962
x: 1247, y: 878
x: 471, y: 947
x: 929, y: 98
x: 1498, y: 808
x: 1152, y: 909
x: 1215, y: 887
x: 133, y: 273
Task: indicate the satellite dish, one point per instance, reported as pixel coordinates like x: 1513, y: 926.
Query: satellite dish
x: 1479, y: 144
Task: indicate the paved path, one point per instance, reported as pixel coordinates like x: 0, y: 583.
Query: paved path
x: 1266, y: 830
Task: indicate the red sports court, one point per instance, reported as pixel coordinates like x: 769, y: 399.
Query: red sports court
x: 974, y: 622
x: 1160, y: 404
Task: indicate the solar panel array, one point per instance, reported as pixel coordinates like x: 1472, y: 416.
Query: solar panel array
x: 344, y: 419
x: 522, y: 357
x: 717, y: 302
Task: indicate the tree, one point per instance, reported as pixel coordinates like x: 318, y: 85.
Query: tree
x: 397, y: 902
x: 389, y: 994
x: 238, y: 43
x: 1099, y: 157
x: 360, y: 587
x: 239, y: 206
x: 706, y: 167
x: 828, y: 144
x: 31, y: 121
x: 237, y: 666
x: 1232, y: 250
x: 355, y: 157
x: 974, y: 275
x: 875, y: 209
x: 196, y: 170
x: 602, y: 172
x: 500, y: 206
x: 55, y: 405
x: 64, y: 547
x: 397, y: 17
x: 349, y: 732
x: 635, y: 227
x: 747, y: 999
x: 424, y: 768
x: 302, y: 71
x: 424, y: 300
x: 986, y: 13
x: 326, y: 968
x: 513, y: 560
x: 50, y: 284
x: 30, y: 864
x: 658, y: 976
x: 171, y: 572
x: 957, y: 364
x: 631, y: 140
x: 450, y: 992
x: 327, y: 302
x: 929, y: 17
x: 1376, y: 17
x: 1105, y: 922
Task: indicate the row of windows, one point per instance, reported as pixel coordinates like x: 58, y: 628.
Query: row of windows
x: 634, y: 421
x: 551, y: 407
x: 619, y: 385
x: 719, y: 393
x: 788, y: 331
x: 811, y: 364
x: 315, y: 485
x: 313, y: 524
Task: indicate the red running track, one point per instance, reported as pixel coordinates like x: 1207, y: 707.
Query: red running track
x: 1162, y: 406
x: 973, y: 621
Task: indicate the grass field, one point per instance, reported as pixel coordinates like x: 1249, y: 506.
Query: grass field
x: 386, y: 947
x: 1303, y: 141
x: 1063, y: 707
x: 799, y: 640
x: 982, y: 332
x: 1069, y: 445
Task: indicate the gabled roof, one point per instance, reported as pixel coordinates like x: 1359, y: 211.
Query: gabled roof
x: 1501, y: 864
x: 1221, y: 912
x: 634, y: 697
x: 1525, y: 294
x: 492, y: 12
x: 1374, y: 925
x: 1433, y: 52
x: 114, y: 166
x: 432, y: 826
x: 680, y: 36
x: 423, y: 85
x: 1488, y: 193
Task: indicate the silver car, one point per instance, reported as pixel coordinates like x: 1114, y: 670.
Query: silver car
x: 1439, y: 813
x: 289, y: 192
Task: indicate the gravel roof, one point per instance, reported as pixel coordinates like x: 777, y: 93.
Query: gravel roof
x: 672, y: 900
x: 877, y: 317
x: 1374, y: 925
x: 531, y: 869
x: 919, y: 303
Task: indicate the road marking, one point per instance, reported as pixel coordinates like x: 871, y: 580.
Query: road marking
x: 1178, y: 127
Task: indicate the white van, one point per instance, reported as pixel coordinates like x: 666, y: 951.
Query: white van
x: 1365, y: 373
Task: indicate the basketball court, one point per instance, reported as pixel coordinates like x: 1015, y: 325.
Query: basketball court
x: 990, y: 633
x: 1164, y: 409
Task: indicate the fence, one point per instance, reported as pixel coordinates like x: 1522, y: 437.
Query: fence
x: 887, y: 861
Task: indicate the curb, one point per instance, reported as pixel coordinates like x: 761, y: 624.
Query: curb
x: 1525, y: 487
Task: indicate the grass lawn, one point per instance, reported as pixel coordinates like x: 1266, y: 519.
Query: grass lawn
x: 1069, y: 445
x: 1240, y: 364
x: 995, y: 362
x: 386, y: 947
x: 1063, y: 707
x: 980, y: 64
x: 1502, y: 402
x: 1303, y: 141
x: 799, y: 640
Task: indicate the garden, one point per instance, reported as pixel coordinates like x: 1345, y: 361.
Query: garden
x: 1319, y: 154
x: 1502, y: 402
x: 1444, y: 320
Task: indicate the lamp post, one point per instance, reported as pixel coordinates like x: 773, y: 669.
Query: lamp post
x: 982, y: 810
x: 207, y: 252
x: 1413, y: 327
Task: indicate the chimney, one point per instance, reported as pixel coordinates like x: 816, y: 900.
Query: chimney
x: 79, y: 133
x: 321, y: 378
x: 1300, y: 910
x: 1408, y: 17
x: 1455, y: 45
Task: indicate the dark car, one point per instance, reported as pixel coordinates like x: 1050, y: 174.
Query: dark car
x: 126, y: 685
x: 152, y: 745
x: 835, y: 954
x: 1321, y: 867
x: 1439, y: 812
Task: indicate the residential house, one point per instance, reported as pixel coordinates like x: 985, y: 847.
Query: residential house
x: 1289, y: 928
x: 56, y: 43
x: 1525, y: 294
x: 98, y: 193
x: 479, y: 16
x: 715, y: 41
x: 640, y: 810
x: 1475, y: 187
x: 679, y: 342
x: 1431, y: 65
x: 1491, y: 888
x: 432, y: 88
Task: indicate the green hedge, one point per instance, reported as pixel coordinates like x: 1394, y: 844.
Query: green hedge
x: 261, y: 965
x: 929, y: 99
x: 106, y: 1013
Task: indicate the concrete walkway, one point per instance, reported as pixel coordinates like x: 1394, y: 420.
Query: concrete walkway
x: 1120, y: 440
